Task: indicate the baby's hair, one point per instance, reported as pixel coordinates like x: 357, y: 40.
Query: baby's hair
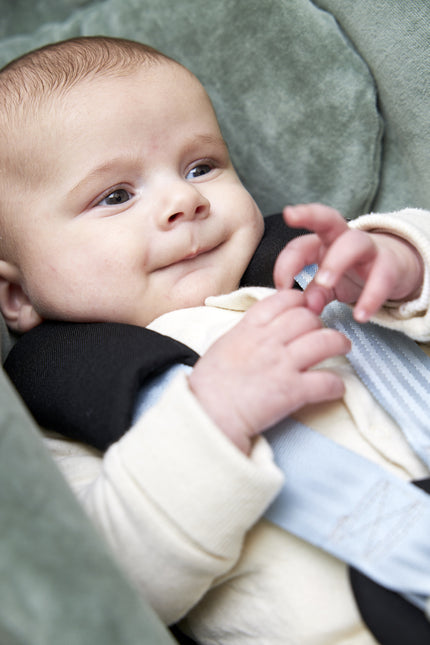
x: 57, y: 67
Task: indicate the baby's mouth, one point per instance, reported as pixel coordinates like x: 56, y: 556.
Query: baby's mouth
x: 195, y: 254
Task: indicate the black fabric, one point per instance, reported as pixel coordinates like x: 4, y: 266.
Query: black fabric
x: 259, y: 272
x: 181, y: 638
x: 391, y: 619
x: 81, y: 379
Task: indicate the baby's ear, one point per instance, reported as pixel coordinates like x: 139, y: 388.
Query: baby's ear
x: 17, y: 310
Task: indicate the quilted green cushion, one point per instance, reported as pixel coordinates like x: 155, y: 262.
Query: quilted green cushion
x: 394, y: 39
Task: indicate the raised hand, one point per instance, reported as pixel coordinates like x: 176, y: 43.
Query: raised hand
x: 354, y: 266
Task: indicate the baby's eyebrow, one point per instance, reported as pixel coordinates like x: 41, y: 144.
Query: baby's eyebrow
x: 208, y: 139
x: 128, y: 163
x: 104, y: 169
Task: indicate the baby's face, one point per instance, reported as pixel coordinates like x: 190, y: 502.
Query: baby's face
x: 140, y: 210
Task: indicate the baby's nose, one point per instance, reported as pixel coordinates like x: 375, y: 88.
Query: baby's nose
x: 184, y: 203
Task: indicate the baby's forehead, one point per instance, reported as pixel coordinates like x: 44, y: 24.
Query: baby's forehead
x: 147, y: 83
x: 25, y: 134
x: 44, y: 116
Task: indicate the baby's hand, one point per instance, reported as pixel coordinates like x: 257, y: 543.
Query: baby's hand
x: 354, y: 266
x: 258, y: 372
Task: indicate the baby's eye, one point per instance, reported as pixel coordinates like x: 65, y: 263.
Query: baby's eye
x: 199, y: 170
x: 118, y: 196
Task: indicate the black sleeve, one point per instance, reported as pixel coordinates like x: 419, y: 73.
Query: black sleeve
x: 81, y: 379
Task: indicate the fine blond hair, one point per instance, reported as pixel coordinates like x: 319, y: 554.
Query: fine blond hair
x: 59, y: 66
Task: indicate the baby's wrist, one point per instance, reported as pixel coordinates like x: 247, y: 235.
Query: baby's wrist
x: 412, y: 271
x: 225, y: 418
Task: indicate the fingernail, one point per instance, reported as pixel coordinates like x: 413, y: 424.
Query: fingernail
x: 360, y: 315
x: 324, y: 278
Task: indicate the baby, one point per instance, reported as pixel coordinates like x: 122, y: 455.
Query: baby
x: 121, y: 205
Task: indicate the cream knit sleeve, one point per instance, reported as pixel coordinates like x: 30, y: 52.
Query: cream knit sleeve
x: 174, y: 498
x: 412, y: 224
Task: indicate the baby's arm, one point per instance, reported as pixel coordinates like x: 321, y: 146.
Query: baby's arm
x: 174, y: 497
x: 355, y: 266
x: 258, y: 373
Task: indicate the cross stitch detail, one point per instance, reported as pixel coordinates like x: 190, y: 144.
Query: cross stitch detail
x: 380, y: 519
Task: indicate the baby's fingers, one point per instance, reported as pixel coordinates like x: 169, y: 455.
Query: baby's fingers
x: 376, y: 290
x: 327, y: 226
x: 353, y: 250
x: 323, y: 385
x: 269, y: 309
x: 325, y: 221
x: 308, y: 350
x: 298, y: 253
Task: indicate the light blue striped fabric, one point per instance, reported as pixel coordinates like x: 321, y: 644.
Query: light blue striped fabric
x: 344, y: 503
x: 394, y: 369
